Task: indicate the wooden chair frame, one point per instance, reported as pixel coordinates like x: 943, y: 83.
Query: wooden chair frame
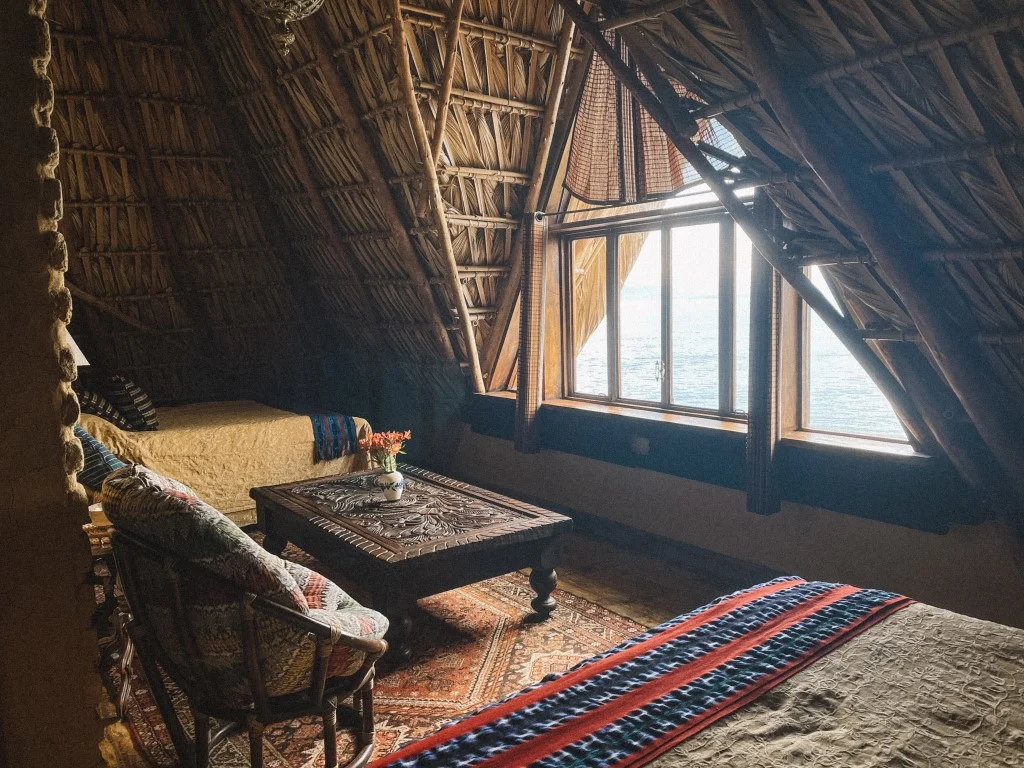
x: 323, y: 697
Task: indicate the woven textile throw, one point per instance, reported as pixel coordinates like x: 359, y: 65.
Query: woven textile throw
x: 334, y: 435
x: 631, y: 704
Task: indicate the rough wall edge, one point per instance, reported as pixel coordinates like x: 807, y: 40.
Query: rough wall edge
x: 48, y: 683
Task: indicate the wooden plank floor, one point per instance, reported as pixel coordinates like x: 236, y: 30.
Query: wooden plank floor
x: 638, y: 586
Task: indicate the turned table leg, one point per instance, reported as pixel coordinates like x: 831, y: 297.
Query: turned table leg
x: 397, y: 608
x: 543, y: 579
x: 274, y: 544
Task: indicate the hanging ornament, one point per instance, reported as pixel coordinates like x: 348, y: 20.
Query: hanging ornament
x: 282, y: 13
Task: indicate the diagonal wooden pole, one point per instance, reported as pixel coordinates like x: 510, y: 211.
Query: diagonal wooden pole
x: 436, y: 200
x: 509, y: 298
x: 379, y: 187
x: 919, y: 285
x: 679, y: 127
x: 447, y: 79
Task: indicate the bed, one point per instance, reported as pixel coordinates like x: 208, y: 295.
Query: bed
x: 867, y: 678
x: 223, y: 449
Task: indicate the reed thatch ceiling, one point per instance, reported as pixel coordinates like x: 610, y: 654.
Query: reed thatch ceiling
x: 287, y: 207
x: 232, y: 212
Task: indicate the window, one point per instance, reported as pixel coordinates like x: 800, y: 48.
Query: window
x: 840, y: 398
x: 654, y: 313
x: 659, y: 317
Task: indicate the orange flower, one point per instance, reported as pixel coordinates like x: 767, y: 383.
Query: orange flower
x: 384, y: 446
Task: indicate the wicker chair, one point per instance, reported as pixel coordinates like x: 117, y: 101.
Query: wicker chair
x: 249, y: 638
x: 181, y: 584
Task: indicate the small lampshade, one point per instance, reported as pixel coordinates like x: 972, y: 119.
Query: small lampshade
x: 80, y: 360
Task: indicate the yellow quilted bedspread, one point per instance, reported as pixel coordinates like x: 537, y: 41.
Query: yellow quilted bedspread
x: 221, y: 450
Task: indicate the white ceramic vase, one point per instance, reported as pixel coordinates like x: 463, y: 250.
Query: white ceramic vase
x: 391, y: 484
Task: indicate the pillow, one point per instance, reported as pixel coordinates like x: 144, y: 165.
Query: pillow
x: 97, y: 405
x: 133, y: 403
x: 99, y: 462
x: 169, y: 515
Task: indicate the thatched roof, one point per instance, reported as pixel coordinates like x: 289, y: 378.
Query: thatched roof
x: 269, y: 232
x: 231, y: 211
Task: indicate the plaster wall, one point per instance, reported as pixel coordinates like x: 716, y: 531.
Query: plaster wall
x: 971, y: 569
x: 48, y: 682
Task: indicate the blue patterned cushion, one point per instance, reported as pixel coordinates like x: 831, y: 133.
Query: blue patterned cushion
x: 97, y: 405
x: 99, y: 462
x: 133, y: 403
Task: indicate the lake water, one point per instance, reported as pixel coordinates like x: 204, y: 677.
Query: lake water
x: 842, y: 397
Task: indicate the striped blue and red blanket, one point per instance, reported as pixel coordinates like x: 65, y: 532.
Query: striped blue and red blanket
x: 633, y: 703
x: 334, y: 436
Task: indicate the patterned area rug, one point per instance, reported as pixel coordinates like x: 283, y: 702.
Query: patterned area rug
x: 472, y: 646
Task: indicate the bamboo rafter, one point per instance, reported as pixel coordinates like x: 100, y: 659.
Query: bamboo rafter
x: 472, y: 29
x: 437, y: 203
x: 459, y: 97
x: 377, y: 184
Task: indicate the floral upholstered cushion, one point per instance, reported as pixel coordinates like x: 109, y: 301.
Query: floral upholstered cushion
x: 330, y: 604
x: 169, y: 515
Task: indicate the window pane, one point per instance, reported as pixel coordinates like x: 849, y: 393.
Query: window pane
x: 695, y: 316
x: 590, y: 331
x: 843, y: 398
x: 744, y: 251
x: 640, y: 316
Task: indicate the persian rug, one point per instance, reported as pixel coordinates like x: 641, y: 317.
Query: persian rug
x: 627, y: 706
x: 474, y: 646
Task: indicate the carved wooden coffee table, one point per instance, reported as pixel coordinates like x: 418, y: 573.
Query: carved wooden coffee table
x: 441, y: 535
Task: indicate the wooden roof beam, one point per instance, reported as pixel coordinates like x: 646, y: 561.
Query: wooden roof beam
x: 436, y: 20
x: 459, y: 96
x: 437, y: 203
x: 874, y: 60
x: 988, y: 403
x: 378, y: 187
x: 647, y: 13
x: 447, y: 78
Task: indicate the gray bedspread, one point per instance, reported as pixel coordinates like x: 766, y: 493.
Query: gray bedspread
x: 926, y: 687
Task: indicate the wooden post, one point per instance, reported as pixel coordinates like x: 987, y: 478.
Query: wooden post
x: 447, y: 79
x: 379, y: 187
x: 763, y: 420
x: 679, y: 127
x: 510, y: 291
x: 919, y: 285
x: 437, y: 203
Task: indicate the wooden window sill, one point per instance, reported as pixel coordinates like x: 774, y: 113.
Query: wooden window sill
x: 903, y: 452
x: 663, y: 417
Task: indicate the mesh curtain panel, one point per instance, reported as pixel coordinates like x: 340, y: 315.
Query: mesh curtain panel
x: 618, y: 152
x: 531, y: 333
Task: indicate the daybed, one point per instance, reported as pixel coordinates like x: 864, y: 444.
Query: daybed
x: 221, y: 450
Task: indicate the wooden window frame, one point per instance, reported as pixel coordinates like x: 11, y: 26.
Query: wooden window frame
x: 611, y: 230
x: 796, y: 379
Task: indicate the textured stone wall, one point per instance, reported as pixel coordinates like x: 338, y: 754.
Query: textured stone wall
x: 48, y: 684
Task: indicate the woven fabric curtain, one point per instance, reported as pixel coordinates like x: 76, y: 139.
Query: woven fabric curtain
x: 531, y: 332
x: 619, y: 154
